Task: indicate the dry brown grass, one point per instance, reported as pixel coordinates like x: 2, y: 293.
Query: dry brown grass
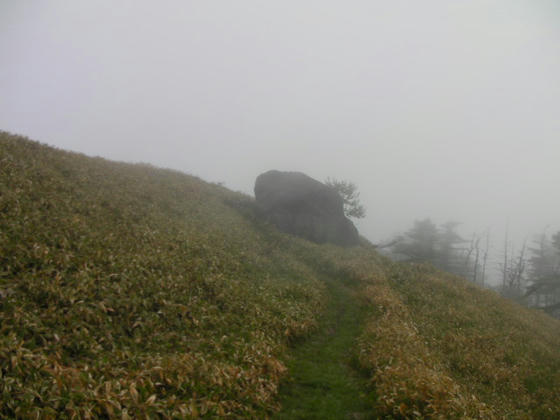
x: 135, y: 292
x: 132, y: 291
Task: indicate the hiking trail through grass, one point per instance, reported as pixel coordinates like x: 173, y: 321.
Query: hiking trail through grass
x: 322, y: 383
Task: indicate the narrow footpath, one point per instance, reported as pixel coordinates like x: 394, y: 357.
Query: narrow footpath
x: 322, y: 383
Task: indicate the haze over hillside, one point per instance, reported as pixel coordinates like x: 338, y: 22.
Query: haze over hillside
x: 434, y: 109
x: 128, y: 291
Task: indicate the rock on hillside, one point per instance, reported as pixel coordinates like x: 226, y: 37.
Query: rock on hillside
x: 300, y: 205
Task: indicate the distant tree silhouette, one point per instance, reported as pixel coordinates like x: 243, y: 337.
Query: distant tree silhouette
x: 419, y: 243
x: 449, y: 254
x: 544, y: 273
x: 443, y: 247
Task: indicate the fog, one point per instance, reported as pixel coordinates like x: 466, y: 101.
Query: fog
x: 441, y: 109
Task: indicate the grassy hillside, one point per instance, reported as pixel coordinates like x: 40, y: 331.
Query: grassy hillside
x: 438, y: 346
x: 135, y: 292
x: 131, y: 290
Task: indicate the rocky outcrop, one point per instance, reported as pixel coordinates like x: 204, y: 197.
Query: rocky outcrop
x: 302, y: 206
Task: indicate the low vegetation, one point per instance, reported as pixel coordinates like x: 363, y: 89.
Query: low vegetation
x: 131, y: 291
x: 128, y: 291
x: 438, y: 346
x: 323, y: 382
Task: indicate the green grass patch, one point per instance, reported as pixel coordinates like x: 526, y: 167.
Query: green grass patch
x: 323, y: 382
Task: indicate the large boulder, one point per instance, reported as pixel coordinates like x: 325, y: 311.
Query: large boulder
x: 300, y: 205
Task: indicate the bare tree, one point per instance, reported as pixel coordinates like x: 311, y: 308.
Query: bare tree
x: 513, y: 272
x: 485, y: 257
x: 505, y: 265
x: 476, y: 244
x: 517, y: 270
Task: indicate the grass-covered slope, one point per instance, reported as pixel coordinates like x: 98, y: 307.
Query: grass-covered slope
x: 438, y: 346
x: 128, y: 291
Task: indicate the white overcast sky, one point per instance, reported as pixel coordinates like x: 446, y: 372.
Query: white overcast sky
x: 445, y: 109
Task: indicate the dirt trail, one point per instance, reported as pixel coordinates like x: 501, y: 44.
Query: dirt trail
x: 323, y: 384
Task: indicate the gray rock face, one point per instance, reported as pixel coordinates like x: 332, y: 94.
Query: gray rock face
x: 302, y: 206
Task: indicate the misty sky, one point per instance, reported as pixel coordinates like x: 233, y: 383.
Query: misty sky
x: 442, y: 109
